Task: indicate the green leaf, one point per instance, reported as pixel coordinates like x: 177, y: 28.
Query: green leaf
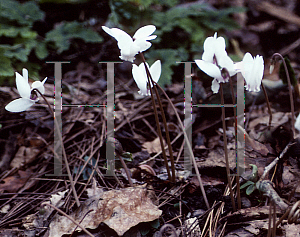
x: 250, y: 189
x: 246, y: 184
x: 254, y: 176
x: 16, y: 51
x: 6, y: 69
x: 25, y: 14
x: 41, y: 50
x: 64, y: 32
x: 155, y: 224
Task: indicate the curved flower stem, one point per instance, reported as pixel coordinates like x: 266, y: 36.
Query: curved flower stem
x: 63, y: 149
x: 151, y: 82
x: 290, y: 89
x: 188, y: 145
x: 268, y: 103
x: 225, y: 148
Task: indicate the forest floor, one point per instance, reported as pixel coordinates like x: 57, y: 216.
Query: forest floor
x: 29, y: 182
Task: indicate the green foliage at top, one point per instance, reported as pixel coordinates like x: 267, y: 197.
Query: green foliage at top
x: 16, y: 34
x: 63, y: 1
x: 22, y: 14
x: 19, y: 40
x: 181, y: 29
x: 65, y: 31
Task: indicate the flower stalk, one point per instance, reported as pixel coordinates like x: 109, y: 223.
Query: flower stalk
x: 290, y: 88
x: 225, y: 148
x: 151, y: 83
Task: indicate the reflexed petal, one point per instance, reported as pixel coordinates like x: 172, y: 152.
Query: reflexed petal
x: 155, y: 70
x: 219, y: 46
x: 215, y: 86
x: 209, y: 51
x: 141, y: 45
x: 39, y: 86
x: 25, y: 74
x: 139, y: 78
x: 226, y: 62
x: 116, y: 33
x: 19, y: 105
x: 22, y: 85
x: 210, y: 69
x: 144, y: 32
x: 151, y: 37
x: 124, y: 42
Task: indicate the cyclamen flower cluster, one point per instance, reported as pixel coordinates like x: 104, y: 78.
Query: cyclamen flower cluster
x: 27, y: 97
x: 215, y: 60
x: 129, y: 47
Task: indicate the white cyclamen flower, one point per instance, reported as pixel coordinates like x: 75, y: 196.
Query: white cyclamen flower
x: 297, y: 123
x: 131, y: 46
x: 252, y: 70
x: 214, y: 59
x: 23, y: 103
x: 140, y: 75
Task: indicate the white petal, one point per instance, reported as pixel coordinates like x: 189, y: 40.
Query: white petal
x: 115, y: 32
x: 209, y: 68
x: 155, y: 70
x: 39, y: 85
x: 19, y: 105
x: 226, y: 62
x: 215, y: 86
x: 219, y: 46
x: 140, y: 79
x: 141, y: 45
x: 151, y: 37
x: 209, y: 51
x: 25, y: 74
x: 297, y: 123
x: 253, y: 71
x: 22, y: 86
x: 144, y: 32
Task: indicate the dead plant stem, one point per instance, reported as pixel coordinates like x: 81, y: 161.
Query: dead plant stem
x: 63, y: 150
x: 225, y: 148
x: 188, y: 145
x: 151, y: 82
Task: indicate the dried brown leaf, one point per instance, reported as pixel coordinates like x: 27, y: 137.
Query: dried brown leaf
x: 119, y: 209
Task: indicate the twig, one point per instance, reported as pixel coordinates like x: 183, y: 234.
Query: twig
x: 151, y: 82
x: 70, y: 218
x: 188, y: 145
x: 274, y: 162
x: 63, y: 150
